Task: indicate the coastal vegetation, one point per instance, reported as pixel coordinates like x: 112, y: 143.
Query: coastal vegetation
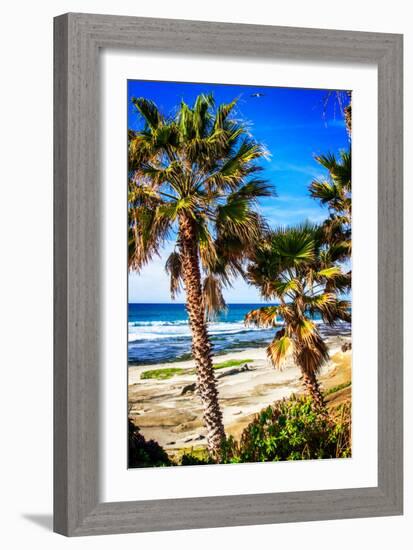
x: 290, y: 429
x: 142, y: 453
x: 232, y: 363
x: 335, y: 192
x: 164, y: 373
x: 168, y: 372
x: 304, y: 269
x: 337, y: 388
x: 294, y: 267
x: 196, y: 175
x: 194, y: 178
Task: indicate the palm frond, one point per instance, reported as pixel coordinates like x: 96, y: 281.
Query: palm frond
x: 333, y: 278
x: 305, y: 330
x: 161, y: 175
x: 149, y: 111
x: 168, y: 211
x: 200, y: 165
x: 173, y: 267
x: 165, y: 135
x: 263, y: 317
x: 339, y: 170
x: 247, y: 152
x: 213, y: 299
x: 342, y: 171
x: 340, y: 283
x: 223, y: 112
x: 329, y: 307
x: 338, y: 250
x: 207, y: 247
x: 282, y: 287
x: 329, y: 272
x: 328, y: 160
x: 294, y: 245
x: 233, y: 169
x: 254, y: 189
x: 325, y: 191
x: 312, y: 355
x: 201, y: 116
x: 336, y: 229
x: 280, y: 348
x: 146, y: 235
x: 238, y: 221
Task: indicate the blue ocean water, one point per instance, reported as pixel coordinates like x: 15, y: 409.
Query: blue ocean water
x: 160, y: 332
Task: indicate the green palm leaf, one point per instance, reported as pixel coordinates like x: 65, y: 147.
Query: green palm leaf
x: 149, y: 111
x: 280, y: 348
x: 325, y: 191
x: 329, y: 272
x: 294, y: 245
x: 198, y: 165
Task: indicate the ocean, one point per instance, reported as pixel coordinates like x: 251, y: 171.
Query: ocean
x: 160, y: 333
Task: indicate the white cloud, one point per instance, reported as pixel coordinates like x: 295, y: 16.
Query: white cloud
x: 279, y: 215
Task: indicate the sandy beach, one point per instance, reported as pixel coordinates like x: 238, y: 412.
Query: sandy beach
x: 170, y: 412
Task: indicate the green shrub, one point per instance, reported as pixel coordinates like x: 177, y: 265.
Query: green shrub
x: 337, y: 388
x: 190, y: 459
x: 163, y: 374
x: 292, y: 429
x: 142, y: 453
x: 168, y: 372
x: 232, y: 363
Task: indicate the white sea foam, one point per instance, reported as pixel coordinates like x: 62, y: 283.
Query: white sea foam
x: 179, y: 329
x: 161, y: 330
x: 156, y: 323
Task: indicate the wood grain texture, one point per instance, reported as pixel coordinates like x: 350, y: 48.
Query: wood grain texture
x: 390, y: 280
x: 78, y: 39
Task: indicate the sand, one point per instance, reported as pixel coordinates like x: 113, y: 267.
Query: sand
x: 173, y: 417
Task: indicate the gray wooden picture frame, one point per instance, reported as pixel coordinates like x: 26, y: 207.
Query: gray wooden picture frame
x: 78, y: 40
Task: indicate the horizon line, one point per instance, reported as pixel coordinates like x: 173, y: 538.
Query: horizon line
x: 184, y: 303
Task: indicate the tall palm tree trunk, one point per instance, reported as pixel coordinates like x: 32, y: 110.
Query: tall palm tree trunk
x: 201, y: 347
x: 313, y: 388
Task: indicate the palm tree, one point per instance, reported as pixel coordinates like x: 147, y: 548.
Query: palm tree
x: 193, y: 178
x: 335, y: 192
x: 293, y: 267
x: 343, y: 100
x: 348, y: 118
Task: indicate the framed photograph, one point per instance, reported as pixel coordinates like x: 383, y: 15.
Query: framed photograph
x: 228, y: 274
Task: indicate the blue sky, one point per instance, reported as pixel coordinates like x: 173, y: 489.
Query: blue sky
x: 294, y: 124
